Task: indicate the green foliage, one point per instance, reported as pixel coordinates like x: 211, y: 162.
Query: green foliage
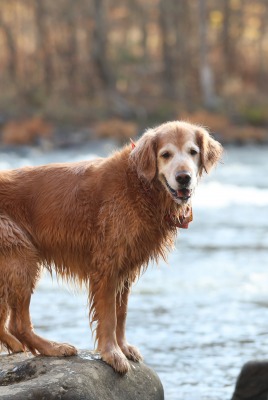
x: 256, y: 115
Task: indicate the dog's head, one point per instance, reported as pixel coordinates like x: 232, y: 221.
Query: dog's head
x: 176, y: 153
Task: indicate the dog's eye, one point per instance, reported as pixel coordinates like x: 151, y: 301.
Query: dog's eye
x: 166, y: 155
x: 193, y: 152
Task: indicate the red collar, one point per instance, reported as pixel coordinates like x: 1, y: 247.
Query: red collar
x: 133, y: 144
x: 183, y: 220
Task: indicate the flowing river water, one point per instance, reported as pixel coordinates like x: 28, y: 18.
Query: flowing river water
x: 198, y: 319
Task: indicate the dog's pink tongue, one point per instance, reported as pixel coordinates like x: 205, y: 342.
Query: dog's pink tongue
x: 183, y: 193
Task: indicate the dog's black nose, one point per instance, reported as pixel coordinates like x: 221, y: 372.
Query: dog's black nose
x: 183, y: 178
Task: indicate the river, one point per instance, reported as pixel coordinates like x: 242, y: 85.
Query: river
x: 198, y: 319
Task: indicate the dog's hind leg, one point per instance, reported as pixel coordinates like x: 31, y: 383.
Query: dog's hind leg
x: 7, y: 340
x: 19, y: 272
x: 23, y: 275
x: 131, y: 352
x: 20, y: 321
x: 14, y: 245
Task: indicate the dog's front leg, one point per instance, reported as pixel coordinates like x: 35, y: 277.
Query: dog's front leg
x: 131, y: 352
x: 103, y: 310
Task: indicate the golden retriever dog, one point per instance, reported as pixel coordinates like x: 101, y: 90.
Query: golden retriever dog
x: 98, y: 223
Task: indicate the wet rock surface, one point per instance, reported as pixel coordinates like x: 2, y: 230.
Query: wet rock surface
x: 23, y: 376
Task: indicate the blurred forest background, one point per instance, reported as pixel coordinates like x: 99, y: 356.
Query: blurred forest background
x: 125, y: 65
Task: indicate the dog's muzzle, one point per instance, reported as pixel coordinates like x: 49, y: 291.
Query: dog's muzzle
x: 182, y: 194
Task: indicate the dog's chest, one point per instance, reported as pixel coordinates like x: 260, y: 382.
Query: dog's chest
x: 149, y: 244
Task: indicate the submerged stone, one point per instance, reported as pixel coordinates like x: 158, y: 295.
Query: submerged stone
x: 252, y: 382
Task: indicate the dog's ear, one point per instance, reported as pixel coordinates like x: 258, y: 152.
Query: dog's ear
x: 143, y: 156
x: 211, y: 150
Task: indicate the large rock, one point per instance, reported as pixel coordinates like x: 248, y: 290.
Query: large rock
x: 252, y: 383
x: 23, y: 376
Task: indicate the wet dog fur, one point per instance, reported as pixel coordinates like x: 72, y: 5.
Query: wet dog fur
x: 98, y: 223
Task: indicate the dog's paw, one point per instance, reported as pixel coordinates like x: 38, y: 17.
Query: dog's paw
x: 131, y: 352
x: 117, y: 360
x: 54, y: 349
x: 12, y: 344
x: 64, y: 349
x: 17, y: 348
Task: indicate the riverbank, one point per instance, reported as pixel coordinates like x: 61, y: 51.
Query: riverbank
x: 39, y: 133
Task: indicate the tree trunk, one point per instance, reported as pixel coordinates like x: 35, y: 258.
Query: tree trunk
x: 12, y: 49
x: 99, y: 41
x: 164, y: 21
x: 182, y: 26
x: 43, y: 44
x: 72, y: 48
x: 205, y: 70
